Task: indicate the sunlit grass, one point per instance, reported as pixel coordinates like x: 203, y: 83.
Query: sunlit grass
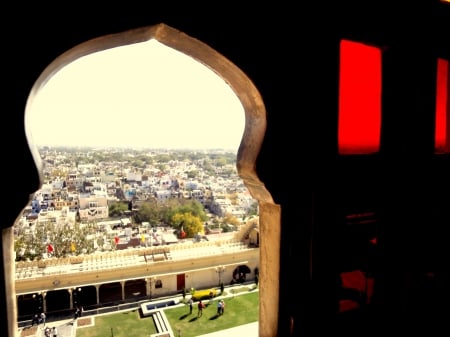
x: 239, y: 309
x: 119, y: 324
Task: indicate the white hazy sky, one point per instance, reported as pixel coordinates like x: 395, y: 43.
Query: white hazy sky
x: 142, y: 95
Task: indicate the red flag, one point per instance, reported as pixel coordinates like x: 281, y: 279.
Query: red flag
x: 50, y: 248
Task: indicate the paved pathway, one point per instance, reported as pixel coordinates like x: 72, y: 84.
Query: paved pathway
x: 66, y: 328
x: 247, y: 330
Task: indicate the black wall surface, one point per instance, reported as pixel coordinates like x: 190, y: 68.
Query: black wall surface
x: 290, y: 52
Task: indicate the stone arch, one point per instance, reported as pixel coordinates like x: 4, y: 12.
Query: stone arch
x: 240, y: 273
x: 255, y: 127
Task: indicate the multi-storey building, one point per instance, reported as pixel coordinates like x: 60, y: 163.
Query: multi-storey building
x: 93, y: 207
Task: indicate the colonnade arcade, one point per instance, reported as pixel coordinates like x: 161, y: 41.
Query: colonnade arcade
x: 85, y: 296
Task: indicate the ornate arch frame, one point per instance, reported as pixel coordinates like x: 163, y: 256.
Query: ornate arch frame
x: 254, y: 131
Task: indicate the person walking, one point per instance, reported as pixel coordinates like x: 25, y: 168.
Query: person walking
x: 219, y: 307
x: 191, y: 304
x: 200, y: 308
x: 35, y: 320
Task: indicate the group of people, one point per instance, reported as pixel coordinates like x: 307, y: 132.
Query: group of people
x: 51, y: 332
x: 38, y: 319
x: 201, y: 306
x: 78, y: 312
x: 220, y: 307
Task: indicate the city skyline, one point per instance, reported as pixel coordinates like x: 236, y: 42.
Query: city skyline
x: 145, y: 95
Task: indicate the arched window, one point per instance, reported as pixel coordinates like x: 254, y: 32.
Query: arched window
x: 254, y: 130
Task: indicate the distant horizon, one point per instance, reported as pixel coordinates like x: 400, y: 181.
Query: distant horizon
x: 91, y: 147
x: 144, y: 95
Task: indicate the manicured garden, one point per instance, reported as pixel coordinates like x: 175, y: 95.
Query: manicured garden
x: 241, y: 307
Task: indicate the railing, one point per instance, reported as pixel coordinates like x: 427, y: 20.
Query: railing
x: 125, y: 258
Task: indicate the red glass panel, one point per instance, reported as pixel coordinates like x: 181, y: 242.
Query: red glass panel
x: 359, y: 122
x: 442, y: 142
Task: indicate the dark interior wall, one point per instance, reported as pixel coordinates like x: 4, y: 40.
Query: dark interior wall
x: 291, y: 54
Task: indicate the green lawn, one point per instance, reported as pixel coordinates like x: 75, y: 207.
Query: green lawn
x: 239, y: 309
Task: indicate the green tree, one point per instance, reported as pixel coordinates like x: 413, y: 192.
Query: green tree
x: 138, y: 163
x: 184, y: 206
x: 162, y: 167
x: 209, y: 168
x: 192, y: 174
x: 65, y: 240
x: 117, y: 208
x: 192, y: 225
x: 150, y: 212
x: 222, y: 161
